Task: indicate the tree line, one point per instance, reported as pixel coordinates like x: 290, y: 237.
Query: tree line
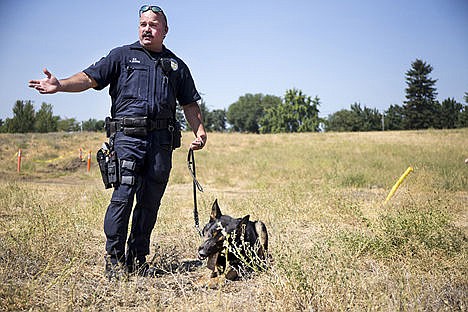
x: 420, y: 110
x: 295, y: 112
x: 26, y: 119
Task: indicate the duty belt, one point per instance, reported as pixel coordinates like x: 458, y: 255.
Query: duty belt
x: 136, y: 126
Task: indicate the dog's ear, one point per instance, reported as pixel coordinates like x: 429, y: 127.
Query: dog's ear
x: 215, y: 211
x: 243, y: 224
x: 244, y: 220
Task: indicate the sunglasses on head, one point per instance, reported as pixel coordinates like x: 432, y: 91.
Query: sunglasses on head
x: 153, y: 8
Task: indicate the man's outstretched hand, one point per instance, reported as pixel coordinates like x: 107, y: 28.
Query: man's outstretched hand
x: 47, y: 85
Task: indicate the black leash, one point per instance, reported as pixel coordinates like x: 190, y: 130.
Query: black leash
x: 196, y: 185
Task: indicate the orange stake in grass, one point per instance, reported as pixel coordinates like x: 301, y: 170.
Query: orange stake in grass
x: 18, y: 167
x: 89, y: 161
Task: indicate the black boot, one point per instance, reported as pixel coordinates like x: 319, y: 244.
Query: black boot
x: 140, y: 267
x: 137, y: 265
x: 115, y: 269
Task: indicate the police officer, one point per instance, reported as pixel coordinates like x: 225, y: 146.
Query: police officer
x: 146, y: 81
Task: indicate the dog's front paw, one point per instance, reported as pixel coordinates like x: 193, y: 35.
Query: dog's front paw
x: 231, y: 274
x: 216, y: 282
x: 207, y: 282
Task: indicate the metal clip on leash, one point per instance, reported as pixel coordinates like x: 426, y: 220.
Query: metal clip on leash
x: 196, y: 185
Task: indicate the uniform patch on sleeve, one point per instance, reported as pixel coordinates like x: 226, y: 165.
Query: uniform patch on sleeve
x: 174, y: 64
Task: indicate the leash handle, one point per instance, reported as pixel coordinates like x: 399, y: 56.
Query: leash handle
x: 191, y: 167
x: 196, y: 185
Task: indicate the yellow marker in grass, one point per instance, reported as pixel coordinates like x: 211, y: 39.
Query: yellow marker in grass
x: 397, y: 184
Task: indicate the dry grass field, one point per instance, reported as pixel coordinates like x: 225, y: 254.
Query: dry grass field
x: 334, y: 245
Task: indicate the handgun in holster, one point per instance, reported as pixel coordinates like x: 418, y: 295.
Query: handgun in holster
x: 108, y: 165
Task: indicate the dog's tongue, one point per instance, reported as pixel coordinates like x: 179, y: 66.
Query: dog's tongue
x: 211, y: 262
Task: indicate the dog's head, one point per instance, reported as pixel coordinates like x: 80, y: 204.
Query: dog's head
x: 216, y: 231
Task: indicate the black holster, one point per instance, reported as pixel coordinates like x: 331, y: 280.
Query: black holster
x: 176, y: 135
x: 108, y: 165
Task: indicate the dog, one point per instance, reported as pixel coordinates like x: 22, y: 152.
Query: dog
x: 233, y: 246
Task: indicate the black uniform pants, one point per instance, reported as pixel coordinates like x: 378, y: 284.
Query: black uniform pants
x: 146, y: 182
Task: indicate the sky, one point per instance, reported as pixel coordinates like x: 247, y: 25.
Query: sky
x: 341, y: 51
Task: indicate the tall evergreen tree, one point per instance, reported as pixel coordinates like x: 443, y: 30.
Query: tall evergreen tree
x: 23, y: 119
x: 448, y: 114
x: 394, y: 118
x: 420, y: 106
x: 462, y: 121
x: 45, y: 120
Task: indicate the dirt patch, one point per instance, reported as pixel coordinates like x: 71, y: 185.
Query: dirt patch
x: 71, y: 165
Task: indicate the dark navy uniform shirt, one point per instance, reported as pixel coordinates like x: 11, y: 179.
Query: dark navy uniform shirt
x: 143, y: 83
